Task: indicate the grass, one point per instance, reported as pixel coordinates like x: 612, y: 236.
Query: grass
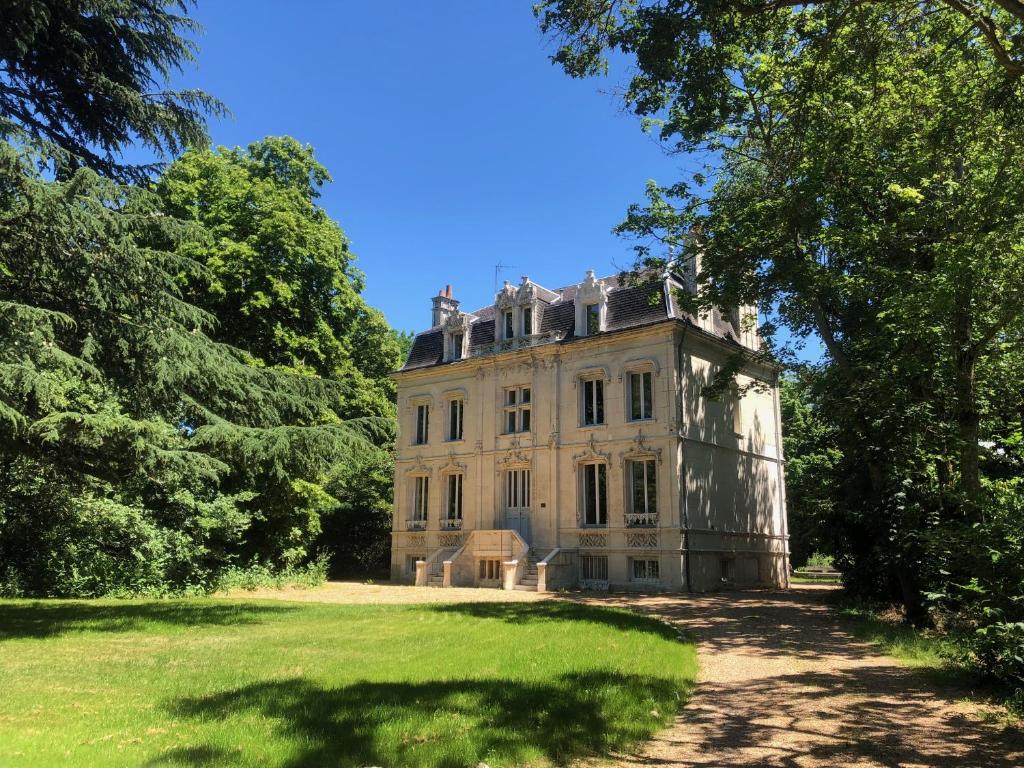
x: 251, y: 683
x: 915, y: 648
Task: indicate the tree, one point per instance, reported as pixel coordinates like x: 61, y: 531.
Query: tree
x: 280, y: 279
x: 813, y: 471
x: 137, y: 452
x: 848, y: 200
x: 80, y: 80
x: 280, y: 276
x: 112, y: 391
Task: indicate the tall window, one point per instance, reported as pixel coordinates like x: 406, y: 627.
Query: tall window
x: 509, y: 328
x: 454, y: 511
x: 593, y: 319
x: 419, y: 501
x: 594, y: 493
x: 455, y: 411
x: 643, y: 493
x: 641, y: 396
x: 457, y: 339
x: 593, y: 402
x: 527, y: 321
x: 517, y: 409
x: 422, y: 423
x: 517, y: 489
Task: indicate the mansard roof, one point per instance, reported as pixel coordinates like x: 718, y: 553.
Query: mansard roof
x: 629, y: 306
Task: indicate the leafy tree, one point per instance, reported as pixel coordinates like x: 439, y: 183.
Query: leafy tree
x: 112, y: 391
x: 813, y: 465
x: 137, y: 451
x: 281, y: 281
x: 80, y: 80
x: 846, y: 196
x: 280, y: 276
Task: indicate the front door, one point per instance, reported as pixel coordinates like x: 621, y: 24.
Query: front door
x: 517, y: 502
x: 518, y: 520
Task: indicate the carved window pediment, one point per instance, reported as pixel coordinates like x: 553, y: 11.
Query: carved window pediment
x: 419, y: 467
x: 641, y: 449
x: 591, y: 452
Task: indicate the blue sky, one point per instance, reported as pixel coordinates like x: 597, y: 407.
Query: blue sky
x: 455, y: 145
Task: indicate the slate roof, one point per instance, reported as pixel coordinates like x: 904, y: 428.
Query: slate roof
x: 628, y: 307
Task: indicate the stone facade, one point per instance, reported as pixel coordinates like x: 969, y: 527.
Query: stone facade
x: 561, y: 438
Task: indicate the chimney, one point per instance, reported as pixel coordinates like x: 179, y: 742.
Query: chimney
x: 444, y: 306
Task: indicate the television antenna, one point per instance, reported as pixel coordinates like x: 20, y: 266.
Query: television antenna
x: 498, y: 269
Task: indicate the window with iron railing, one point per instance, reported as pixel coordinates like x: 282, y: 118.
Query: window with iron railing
x: 453, y: 517
x: 643, y: 493
x: 421, y: 488
x: 593, y: 481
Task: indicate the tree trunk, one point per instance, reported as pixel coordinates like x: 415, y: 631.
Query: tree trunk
x: 965, y: 367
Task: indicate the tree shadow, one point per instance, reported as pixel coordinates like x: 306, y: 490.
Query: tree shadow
x: 833, y: 699
x: 441, y: 724
x: 38, y: 619
x: 562, y: 611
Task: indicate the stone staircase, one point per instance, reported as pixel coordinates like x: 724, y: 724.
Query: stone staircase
x: 529, y: 581
x: 435, y: 574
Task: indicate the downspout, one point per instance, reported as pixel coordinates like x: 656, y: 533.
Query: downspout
x: 555, y: 451
x: 780, y: 460
x: 684, y: 500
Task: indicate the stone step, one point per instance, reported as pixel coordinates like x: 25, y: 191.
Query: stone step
x: 528, y: 580
x: 526, y: 587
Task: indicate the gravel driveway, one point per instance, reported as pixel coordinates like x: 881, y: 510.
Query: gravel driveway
x: 781, y: 684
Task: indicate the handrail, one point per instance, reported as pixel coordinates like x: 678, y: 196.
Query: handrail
x: 512, y: 570
x: 542, y: 569
x: 446, y: 566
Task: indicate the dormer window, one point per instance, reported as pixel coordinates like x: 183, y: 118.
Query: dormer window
x: 527, y: 321
x: 509, y: 326
x: 456, y: 332
x: 591, y: 306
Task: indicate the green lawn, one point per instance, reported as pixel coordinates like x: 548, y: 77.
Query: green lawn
x: 217, y: 682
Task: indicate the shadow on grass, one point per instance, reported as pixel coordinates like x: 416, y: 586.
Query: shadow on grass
x: 50, y: 619
x: 562, y: 611
x: 437, y: 724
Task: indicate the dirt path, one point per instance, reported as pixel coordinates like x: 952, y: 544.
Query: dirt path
x: 781, y: 684
x: 358, y: 593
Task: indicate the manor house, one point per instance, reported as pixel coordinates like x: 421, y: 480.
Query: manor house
x: 561, y: 438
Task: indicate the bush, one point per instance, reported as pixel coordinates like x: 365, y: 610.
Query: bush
x: 259, y: 576
x: 818, y: 560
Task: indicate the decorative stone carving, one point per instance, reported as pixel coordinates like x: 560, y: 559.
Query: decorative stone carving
x: 416, y: 540
x: 642, y: 540
x: 590, y: 452
x: 591, y: 292
x: 448, y: 540
x: 419, y: 467
x: 506, y: 297
x: 514, y: 456
x: 640, y: 449
x: 452, y: 465
x: 593, y: 540
x: 527, y: 292
x: 591, y: 289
